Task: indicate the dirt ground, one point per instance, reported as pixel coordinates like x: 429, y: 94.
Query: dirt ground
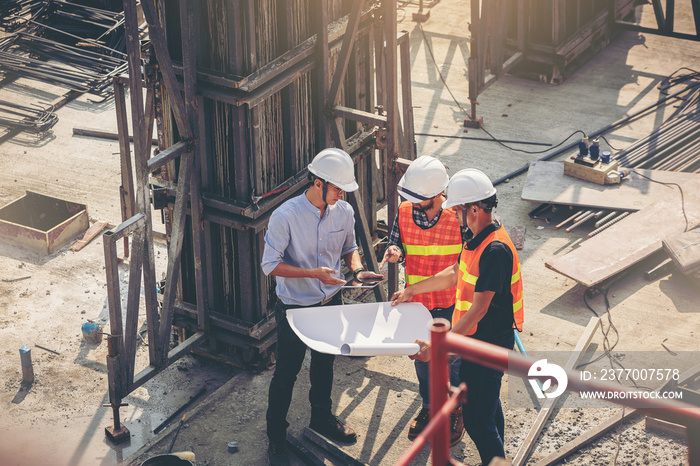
x: 60, y: 420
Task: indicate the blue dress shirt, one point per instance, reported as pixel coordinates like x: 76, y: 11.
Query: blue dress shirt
x: 297, y: 235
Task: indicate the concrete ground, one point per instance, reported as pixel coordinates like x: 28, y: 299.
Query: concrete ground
x: 61, y: 414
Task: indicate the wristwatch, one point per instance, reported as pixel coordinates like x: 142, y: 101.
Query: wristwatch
x: 358, y: 270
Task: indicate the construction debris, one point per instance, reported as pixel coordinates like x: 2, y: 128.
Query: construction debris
x: 93, y: 231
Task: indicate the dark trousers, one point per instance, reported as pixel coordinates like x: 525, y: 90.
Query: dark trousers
x: 482, y: 413
x: 423, y: 368
x: 290, y: 356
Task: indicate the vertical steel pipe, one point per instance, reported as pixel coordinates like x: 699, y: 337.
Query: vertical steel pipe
x: 438, y: 388
x: 25, y: 355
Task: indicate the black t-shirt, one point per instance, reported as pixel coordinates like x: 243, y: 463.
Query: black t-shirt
x: 495, y: 272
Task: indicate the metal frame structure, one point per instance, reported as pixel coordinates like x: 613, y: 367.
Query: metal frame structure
x: 176, y: 93
x: 665, y: 21
x: 557, y: 35
x: 444, y: 343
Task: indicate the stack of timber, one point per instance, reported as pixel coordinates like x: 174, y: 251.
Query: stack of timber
x: 258, y: 114
x: 671, y: 147
x: 561, y: 35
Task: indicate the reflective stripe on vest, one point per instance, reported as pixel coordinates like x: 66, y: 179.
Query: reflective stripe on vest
x: 429, y: 251
x: 469, y: 274
x: 433, y: 250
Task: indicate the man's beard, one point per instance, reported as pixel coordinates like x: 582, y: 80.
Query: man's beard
x: 428, y: 207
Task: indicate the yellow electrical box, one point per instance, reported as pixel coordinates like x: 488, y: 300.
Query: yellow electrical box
x: 595, y: 171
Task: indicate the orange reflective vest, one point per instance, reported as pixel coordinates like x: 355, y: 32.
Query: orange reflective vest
x: 429, y: 252
x: 469, y: 274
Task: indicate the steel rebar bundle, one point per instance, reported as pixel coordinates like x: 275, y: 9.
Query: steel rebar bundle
x: 48, y: 61
x: 66, y: 22
x: 12, y: 12
x: 28, y: 119
x: 673, y: 146
x: 71, y: 23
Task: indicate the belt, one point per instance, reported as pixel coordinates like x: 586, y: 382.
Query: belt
x: 323, y: 303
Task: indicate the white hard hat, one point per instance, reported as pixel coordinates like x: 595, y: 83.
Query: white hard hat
x: 335, y: 166
x: 467, y: 186
x: 424, y: 179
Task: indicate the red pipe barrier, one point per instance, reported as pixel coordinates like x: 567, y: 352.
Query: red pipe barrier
x: 496, y: 357
x: 442, y: 417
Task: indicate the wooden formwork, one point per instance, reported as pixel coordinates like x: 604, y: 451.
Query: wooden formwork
x: 545, y: 40
x: 243, y: 94
x: 563, y: 35
x: 262, y: 124
x: 541, y: 39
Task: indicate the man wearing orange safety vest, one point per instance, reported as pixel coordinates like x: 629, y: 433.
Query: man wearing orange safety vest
x: 489, y: 303
x: 429, y: 239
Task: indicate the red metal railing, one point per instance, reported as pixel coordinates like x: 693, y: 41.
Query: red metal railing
x: 438, y: 429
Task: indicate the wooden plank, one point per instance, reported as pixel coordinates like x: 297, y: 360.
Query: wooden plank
x: 253, y: 99
x: 98, y: 133
x: 665, y: 427
x: 634, y: 238
x: 175, y: 252
x: 173, y: 355
x: 360, y: 115
x: 115, y: 366
x: 143, y: 241
x: 127, y: 196
x: 300, y: 450
x: 547, y: 183
x: 89, y: 235
x: 189, y: 58
x: 169, y: 154
x: 331, y: 447
x: 548, y: 407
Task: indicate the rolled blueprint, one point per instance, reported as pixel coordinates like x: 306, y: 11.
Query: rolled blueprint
x: 379, y: 349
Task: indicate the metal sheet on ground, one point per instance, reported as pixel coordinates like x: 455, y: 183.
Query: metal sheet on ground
x: 632, y: 239
x: 546, y: 182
